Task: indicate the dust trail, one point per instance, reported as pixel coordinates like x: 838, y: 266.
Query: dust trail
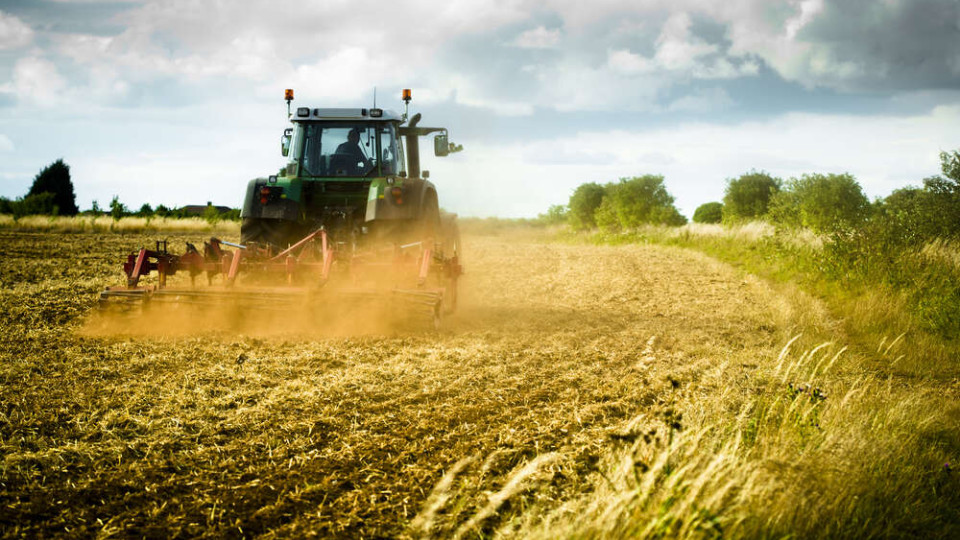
x: 334, y: 314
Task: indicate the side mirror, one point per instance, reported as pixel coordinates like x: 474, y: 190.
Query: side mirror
x: 285, y: 141
x: 441, y: 145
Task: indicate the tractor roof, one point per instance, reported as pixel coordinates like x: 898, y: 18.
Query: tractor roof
x: 305, y: 114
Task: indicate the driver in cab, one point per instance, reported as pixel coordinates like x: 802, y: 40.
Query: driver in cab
x: 352, y: 149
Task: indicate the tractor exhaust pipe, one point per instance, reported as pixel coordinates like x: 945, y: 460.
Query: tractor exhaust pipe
x: 413, y: 148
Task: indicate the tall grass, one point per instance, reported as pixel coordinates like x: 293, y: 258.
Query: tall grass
x: 811, y: 447
x: 106, y: 224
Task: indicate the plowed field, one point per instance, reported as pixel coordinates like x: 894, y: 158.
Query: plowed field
x: 223, y: 434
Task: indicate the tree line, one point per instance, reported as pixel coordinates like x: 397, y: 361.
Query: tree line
x: 893, y: 241
x: 52, y: 194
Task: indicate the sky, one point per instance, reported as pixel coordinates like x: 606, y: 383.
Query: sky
x: 181, y: 101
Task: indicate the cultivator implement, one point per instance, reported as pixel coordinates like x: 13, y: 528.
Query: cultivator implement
x: 313, y: 278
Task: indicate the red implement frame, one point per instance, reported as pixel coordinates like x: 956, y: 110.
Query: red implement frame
x: 432, y: 276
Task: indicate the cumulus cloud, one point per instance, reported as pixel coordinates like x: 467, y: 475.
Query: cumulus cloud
x: 14, y: 33
x: 37, y: 81
x: 538, y: 38
x: 6, y: 145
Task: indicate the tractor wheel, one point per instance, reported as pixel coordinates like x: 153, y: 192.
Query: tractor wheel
x: 427, y: 228
x: 276, y: 232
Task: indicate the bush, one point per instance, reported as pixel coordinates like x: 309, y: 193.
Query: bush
x: 117, y: 209
x: 748, y: 197
x: 583, y: 206
x: 145, y: 211
x: 637, y: 201
x: 711, y: 212
x: 556, y: 215
x: 55, y: 179
x: 33, y: 205
x: 824, y: 203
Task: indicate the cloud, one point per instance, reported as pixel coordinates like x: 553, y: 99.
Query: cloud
x: 851, y: 45
x: 538, y: 38
x: 680, y: 54
x: 696, y: 158
x: 6, y: 145
x: 708, y: 100
x: 14, y: 33
x: 36, y: 81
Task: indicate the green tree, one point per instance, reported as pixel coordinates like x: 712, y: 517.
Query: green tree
x: 583, y: 205
x: 117, y: 208
x: 748, y: 197
x: 711, y: 212
x: 162, y: 211
x: 55, y: 179
x: 211, y: 214
x: 555, y: 215
x: 825, y: 203
x: 33, y: 205
x: 145, y: 211
x: 636, y: 201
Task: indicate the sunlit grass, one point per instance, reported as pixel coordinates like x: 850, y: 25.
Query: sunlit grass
x: 105, y: 224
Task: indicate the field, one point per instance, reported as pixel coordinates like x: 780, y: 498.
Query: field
x: 580, y: 391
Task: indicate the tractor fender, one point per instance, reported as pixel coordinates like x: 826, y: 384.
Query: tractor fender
x: 282, y: 208
x: 423, y: 192
x: 415, y: 192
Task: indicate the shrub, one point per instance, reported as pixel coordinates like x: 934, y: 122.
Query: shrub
x: 748, y: 197
x: 117, y: 209
x: 583, y: 205
x: 55, y: 179
x: 556, y: 215
x: 637, y: 201
x: 824, y: 203
x: 711, y: 212
x: 32, y: 205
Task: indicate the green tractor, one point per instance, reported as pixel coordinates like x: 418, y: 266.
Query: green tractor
x: 356, y: 174
x: 351, y: 215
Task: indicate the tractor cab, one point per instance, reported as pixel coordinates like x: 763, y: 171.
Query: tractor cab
x: 358, y: 143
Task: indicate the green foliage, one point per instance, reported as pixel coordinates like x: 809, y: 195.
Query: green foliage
x: 711, y: 212
x: 583, y: 206
x: 636, y: 201
x: 748, y: 197
x: 824, y: 203
x: 211, y: 214
x: 117, y: 209
x: 950, y: 165
x: 556, y: 215
x: 55, y: 179
x: 145, y: 211
x: 33, y: 205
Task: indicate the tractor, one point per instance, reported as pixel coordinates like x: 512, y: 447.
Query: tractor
x: 350, y: 214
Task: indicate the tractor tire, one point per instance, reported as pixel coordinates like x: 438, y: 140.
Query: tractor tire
x: 276, y: 232
x: 427, y: 227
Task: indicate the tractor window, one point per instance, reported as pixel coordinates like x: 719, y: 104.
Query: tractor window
x: 392, y: 159
x: 335, y: 149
